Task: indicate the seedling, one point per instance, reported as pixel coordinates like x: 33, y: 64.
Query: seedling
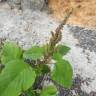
x: 24, y: 70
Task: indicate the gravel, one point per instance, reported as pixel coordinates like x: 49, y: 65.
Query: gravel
x: 31, y: 28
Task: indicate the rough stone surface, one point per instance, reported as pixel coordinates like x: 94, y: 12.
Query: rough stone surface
x: 86, y: 37
x: 26, y: 4
x: 30, y: 28
x: 14, y: 3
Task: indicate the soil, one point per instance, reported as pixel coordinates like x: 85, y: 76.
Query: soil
x: 84, y: 13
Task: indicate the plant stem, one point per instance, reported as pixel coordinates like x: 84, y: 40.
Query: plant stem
x: 56, y: 37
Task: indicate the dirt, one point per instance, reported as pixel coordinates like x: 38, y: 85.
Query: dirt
x: 84, y: 13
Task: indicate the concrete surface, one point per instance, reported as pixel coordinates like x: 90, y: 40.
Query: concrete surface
x: 30, y: 28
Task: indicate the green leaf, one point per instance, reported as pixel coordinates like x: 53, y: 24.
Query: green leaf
x: 63, y: 49
x: 45, y: 69
x: 1, y: 67
x: 42, y: 69
x: 57, y: 56
x: 34, y: 53
x: 16, y: 77
x: 10, y: 52
x: 63, y: 73
x: 29, y: 92
x: 49, y: 91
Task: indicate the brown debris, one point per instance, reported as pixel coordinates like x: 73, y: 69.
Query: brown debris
x: 84, y: 11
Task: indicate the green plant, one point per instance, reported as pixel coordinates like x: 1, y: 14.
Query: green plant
x: 24, y: 71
